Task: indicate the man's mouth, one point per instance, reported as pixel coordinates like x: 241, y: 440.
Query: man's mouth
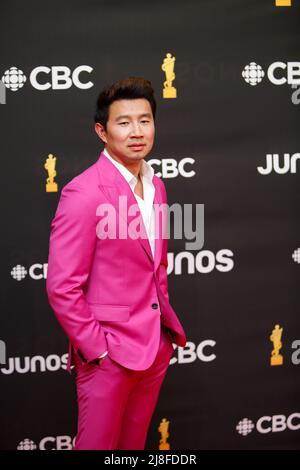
x: 137, y: 146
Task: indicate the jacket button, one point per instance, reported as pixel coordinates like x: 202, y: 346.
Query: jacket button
x: 155, y: 306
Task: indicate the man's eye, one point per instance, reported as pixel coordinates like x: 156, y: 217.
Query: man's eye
x: 145, y: 120
x: 123, y: 123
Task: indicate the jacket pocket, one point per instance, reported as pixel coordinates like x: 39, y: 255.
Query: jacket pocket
x: 110, y: 313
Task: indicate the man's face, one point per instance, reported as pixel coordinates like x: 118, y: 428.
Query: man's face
x: 130, y: 122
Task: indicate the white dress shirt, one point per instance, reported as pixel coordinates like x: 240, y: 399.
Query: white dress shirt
x: 145, y: 205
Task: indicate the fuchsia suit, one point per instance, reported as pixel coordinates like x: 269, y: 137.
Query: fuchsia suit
x: 110, y: 295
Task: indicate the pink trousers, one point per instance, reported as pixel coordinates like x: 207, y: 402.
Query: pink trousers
x: 116, y: 404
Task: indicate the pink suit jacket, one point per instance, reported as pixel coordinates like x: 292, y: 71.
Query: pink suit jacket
x: 108, y: 294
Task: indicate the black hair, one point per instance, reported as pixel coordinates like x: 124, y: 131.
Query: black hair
x: 130, y: 88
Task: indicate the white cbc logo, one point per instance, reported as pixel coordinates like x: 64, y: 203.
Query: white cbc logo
x: 27, y: 444
x: 57, y: 77
x: 37, y: 272
x: 253, y: 74
x: 170, y: 168
x: 48, y: 443
x: 279, y: 73
x: 296, y: 255
x: 267, y: 424
x: 191, y: 352
x: 13, y: 79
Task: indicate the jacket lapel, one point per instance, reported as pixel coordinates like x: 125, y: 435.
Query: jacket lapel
x: 159, y: 227
x: 113, y: 185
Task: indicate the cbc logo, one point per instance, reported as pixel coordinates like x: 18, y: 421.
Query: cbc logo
x: 48, y: 443
x: 191, y: 352
x: 253, y: 74
x: 267, y: 424
x: 279, y: 73
x: 42, y: 78
x: 170, y: 168
x: 37, y: 271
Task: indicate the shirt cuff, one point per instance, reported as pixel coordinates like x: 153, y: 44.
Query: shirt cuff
x: 103, y: 355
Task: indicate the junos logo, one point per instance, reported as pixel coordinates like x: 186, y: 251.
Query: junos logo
x: 51, y: 363
x: 42, y: 78
x: 204, y: 262
x: 287, y: 165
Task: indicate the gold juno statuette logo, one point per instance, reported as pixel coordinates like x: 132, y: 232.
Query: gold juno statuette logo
x: 276, y: 358
x: 164, y: 431
x: 51, y: 186
x: 169, y: 91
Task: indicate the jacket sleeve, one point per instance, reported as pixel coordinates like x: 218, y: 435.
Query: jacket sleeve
x: 71, y: 251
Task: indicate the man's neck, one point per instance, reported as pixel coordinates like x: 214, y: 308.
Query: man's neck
x: 133, y: 167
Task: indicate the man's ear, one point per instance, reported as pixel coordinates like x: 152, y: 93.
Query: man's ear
x: 100, y: 131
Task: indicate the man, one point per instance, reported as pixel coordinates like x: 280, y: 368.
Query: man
x: 110, y: 293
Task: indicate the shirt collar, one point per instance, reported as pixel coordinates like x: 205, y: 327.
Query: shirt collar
x: 146, y: 169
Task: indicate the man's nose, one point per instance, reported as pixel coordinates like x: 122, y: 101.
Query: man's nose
x: 136, y: 130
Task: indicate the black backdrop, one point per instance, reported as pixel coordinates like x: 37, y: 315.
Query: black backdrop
x: 220, y: 391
